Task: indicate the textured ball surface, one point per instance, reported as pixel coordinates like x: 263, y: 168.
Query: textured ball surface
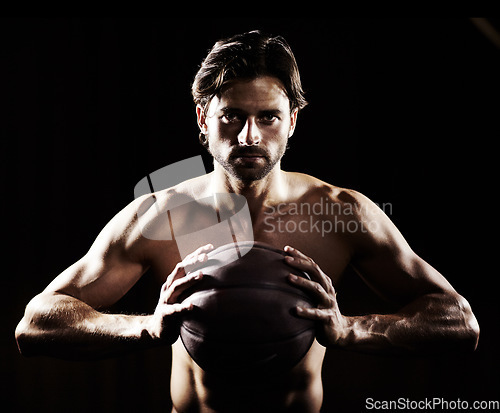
x: 244, y: 312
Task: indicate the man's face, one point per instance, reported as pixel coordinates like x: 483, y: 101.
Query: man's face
x: 248, y: 126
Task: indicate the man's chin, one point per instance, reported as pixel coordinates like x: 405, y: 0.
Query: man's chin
x: 249, y: 173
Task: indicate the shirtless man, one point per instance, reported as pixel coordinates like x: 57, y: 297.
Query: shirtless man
x: 247, y: 110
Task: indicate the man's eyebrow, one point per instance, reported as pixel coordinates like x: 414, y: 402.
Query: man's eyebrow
x: 270, y: 112
x: 227, y: 109
x: 231, y: 109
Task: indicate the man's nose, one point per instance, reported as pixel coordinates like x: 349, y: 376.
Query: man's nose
x: 250, y: 133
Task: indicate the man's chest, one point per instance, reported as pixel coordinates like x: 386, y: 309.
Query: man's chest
x: 308, y: 228
x: 310, y: 234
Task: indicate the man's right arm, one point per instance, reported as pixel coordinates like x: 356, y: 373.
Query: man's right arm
x: 58, y: 325
x: 64, y: 320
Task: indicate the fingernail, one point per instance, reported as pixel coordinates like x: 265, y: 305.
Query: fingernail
x: 198, y: 275
x: 293, y: 277
x: 289, y: 259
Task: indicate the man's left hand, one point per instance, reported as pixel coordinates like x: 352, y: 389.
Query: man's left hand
x: 334, y: 325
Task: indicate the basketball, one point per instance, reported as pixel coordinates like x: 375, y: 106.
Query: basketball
x: 243, y: 318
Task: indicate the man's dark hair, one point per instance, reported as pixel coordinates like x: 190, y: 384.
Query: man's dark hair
x: 248, y: 56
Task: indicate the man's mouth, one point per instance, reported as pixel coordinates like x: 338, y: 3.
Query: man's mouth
x: 250, y: 155
x: 249, y: 159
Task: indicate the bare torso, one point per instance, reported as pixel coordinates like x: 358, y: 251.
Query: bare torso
x: 330, y: 229
x: 327, y: 229
x: 298, y: 221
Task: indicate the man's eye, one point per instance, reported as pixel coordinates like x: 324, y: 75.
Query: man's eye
x: 269, y: 118
x: 230, y: 117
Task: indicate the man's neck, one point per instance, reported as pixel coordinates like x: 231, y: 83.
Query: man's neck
x: 270, y: 188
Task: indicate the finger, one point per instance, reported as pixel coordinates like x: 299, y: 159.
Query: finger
x: 294, y: 252
x: 297, y: 258
x: 188, y: 264
x: 313, y: 288
x: 180, y: 285
x: 304, y: 263
x: 310, y: 267
x: 197, y: 257
x: 176, y: 308
x: 177, y: 272
x: 181, y: 307
x: 316, y: 314
x: 202, y: 250
x: 301, y: 263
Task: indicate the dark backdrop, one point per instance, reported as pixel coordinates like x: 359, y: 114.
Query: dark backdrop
x: 403, y: 110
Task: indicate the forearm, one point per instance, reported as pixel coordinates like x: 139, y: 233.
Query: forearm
x: 62, y: 326
x: 433, y: 323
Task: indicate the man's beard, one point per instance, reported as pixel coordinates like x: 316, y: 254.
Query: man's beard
x: 251, y: 171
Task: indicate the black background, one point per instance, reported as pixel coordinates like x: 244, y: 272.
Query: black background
x: 402, y: 110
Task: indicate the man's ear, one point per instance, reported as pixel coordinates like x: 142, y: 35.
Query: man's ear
x: 293, y: 121
x: 201, y: 117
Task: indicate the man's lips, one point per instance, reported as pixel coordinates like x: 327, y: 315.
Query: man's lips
x: 248, y: 155
x: 249, y: 158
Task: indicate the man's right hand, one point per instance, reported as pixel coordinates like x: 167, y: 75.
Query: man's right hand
x: 164, y: 323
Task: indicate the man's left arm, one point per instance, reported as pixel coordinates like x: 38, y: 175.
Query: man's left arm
x: 432, y: 316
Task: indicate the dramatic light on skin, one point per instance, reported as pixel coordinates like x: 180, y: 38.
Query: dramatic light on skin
x: 248, y: 127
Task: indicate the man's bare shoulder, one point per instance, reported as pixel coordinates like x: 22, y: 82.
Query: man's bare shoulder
x: 150, y: 212
x: 364, y: 224
x: 198, y: 187
x: 191, y: 189
x: 308, y: 187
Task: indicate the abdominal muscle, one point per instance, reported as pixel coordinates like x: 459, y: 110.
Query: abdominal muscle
x: 298, y: 390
